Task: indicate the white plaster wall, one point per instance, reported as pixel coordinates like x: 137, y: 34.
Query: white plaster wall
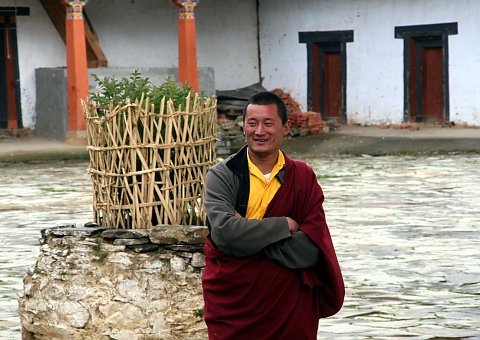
x: 227, y: 40
x: 39, y: 45
x: 135, y: 33
x: 143, y: 33
x: 375, y: 57
x: 465, y: 67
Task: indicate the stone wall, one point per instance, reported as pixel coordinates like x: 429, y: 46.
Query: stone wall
x: 97, y: 283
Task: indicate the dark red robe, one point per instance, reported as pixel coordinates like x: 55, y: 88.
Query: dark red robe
x: 256, y: 298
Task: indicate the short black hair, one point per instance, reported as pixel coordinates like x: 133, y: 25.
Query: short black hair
x: 267, y: 98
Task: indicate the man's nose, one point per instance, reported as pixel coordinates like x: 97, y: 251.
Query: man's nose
x: 260, y: 129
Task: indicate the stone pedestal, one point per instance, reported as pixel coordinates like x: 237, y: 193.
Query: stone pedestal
x: 97, y: 283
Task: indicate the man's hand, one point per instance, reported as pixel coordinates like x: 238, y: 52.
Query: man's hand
x: 292, y: 224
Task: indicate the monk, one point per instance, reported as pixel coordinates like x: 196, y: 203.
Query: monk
x: 271, y: 269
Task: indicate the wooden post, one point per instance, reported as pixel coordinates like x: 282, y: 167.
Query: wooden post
x: 187, y: 43
x: 77, y: 70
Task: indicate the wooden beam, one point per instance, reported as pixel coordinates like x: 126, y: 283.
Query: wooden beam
x: 95, y: 55
x: 57, y: 12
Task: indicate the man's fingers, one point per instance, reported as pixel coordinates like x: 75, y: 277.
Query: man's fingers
x: 292, y: 224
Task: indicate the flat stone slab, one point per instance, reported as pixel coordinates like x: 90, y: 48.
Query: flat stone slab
x: 71, y: 230
x: 144, y: 248
x: 91, y: 225
x: 130, y: 241
x: 125, y: 233
x: 189, y: 248
x: 178, y: 234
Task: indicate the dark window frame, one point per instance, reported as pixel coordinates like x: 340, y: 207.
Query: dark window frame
x: 326, y: 40
x: 13, y: 12
x: 16, y: 11
x: 423, y: 35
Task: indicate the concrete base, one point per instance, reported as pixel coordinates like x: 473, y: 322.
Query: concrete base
x: 375, y: 141
x: 352, y: 140
x: 51, y: 105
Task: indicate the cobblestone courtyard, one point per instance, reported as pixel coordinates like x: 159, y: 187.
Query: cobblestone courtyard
x: 406, y: 230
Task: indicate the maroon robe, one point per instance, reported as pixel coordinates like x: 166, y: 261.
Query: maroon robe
x: 256, y: 298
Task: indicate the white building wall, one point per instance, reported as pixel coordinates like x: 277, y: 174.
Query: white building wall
x: 465, y: 67
x: 136, y: 33
x: 143, y: 33
x: 375, y: 57
x: 227, y: 40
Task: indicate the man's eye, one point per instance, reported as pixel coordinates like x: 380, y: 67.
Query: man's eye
x: 251, y: 123
x: 268, y: 124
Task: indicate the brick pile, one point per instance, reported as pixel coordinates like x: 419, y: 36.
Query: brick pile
x: 315, y: 123
x: 303, y: 123
x: 292, y: 106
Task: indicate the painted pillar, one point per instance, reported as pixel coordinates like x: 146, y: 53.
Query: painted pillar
x: 187, y: 43
x: 77, y: 69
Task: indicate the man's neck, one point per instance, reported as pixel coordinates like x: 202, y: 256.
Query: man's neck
x: 264, y: 164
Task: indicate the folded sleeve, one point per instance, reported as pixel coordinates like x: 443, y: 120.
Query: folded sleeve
x: 295, y: 252
x: 234, y: 235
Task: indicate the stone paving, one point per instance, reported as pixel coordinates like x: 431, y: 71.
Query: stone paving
x: 406, y: 230
x: 407, y: 235
x: 34, y: 196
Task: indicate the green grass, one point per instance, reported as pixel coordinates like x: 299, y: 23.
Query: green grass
x: 59, y: 189
x: 102, y: 256
x: 335, y: 176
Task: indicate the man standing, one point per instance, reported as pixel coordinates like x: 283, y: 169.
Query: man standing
x: 271, y: 268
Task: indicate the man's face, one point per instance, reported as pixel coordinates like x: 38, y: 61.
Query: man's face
x: 264, y: 129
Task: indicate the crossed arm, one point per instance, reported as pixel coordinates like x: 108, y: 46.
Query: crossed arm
x: 278, y: 238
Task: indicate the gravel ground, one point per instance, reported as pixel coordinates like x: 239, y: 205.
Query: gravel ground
x: 405, y: 229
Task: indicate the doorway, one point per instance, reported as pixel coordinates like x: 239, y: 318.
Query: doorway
x: 327, y: 73
x: 10, y: 109
x: 426, y: 91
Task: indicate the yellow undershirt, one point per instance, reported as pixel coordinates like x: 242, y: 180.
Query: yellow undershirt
x: 261, y: 189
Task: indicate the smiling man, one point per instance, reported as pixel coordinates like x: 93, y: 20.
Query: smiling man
x: 271, y: 268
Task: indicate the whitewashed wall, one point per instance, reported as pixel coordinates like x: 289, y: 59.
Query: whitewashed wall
x: 375, y: 57
x: 227, y: 40
x: 143, y: 33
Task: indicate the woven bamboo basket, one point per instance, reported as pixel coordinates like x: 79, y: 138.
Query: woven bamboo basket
x: 148, y: 165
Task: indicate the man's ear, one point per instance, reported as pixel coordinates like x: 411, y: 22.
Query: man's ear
x: 286, y: 128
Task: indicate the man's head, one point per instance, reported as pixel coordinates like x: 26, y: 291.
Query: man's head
x: 265, y: 98
x: 265, y: 124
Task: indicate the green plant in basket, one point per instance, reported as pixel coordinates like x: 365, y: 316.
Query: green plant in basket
x: 112, y: 91
x: 132, y: 124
